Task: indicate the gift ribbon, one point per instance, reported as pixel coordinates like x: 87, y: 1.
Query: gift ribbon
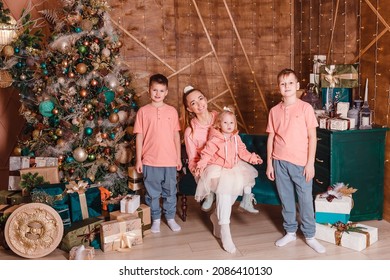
x: 334, y: 79
x: 348, y: 227
x: 80, y: 187
x: 89, y: 236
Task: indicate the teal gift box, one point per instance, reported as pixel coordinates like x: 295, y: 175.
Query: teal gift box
x: 85, y: 204
x: 55, y: 196
x: 331, y: 218
x: 332, y: 95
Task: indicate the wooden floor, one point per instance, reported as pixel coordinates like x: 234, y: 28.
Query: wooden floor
x: 254, y: 236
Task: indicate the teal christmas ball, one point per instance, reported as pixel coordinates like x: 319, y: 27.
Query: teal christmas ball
x: 109, y: 96
x: 46, y: 107
x: 88, y: 131
x: 69, y: 159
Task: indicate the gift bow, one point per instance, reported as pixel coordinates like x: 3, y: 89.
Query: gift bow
x: 349, y: 227
x: 122, y: 240
x: 332, y: 78
x: 80, y: 187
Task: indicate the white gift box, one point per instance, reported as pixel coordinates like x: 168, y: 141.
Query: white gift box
x: 339, y: 124
x: 334, y: 211
x: 353, y: 240
x: 130, y: 203
x: 342, y: 205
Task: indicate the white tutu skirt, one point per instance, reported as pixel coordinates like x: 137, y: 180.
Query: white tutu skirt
x: 221, y: 180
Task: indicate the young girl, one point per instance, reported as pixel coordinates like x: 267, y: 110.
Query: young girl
x: 223, y: 170
x: 198, y: 121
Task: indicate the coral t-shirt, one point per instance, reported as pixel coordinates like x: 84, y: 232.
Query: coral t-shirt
x: 290, y: 125
x: 158, y: 126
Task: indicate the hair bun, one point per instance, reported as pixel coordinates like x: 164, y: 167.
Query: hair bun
x: 188, y: 88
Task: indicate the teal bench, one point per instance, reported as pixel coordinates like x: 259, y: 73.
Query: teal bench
x: 264, y: 190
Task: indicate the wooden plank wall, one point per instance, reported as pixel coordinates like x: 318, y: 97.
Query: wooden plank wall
x: 233, y: 49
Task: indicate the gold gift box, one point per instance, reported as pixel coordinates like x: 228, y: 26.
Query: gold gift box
x: 120, y: 235
x: 135, y: 181
x: 143, y: 212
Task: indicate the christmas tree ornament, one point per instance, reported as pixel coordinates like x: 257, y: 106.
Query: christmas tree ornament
x: 83, y: 92
x: 113, y: 118
x: 88, y: 131
x: 113, y: 168
x: 81, y: 68
x: 79, y: 154
x: 46, y: 107
x: 8, y: 51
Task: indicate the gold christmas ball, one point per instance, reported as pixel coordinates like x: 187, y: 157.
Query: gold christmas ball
x: 83, y: 92
x: 113, y: 118
x: 65, y: 63
x: 81, y: 68
x: 86, y: 25
x: 80, y: 154
x: 55, y: 111
x: 17, y: 151
x: 94, y: 83
x: 61, y: 142
x: 119, y: 44
x: 8, y: 51
x: 36, y: 133
x: 59, y: 132
x: 113, y: 168
x: 71, y: 75
x: 104, y: 135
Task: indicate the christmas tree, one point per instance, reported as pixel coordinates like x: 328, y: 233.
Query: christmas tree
x: 82, y: 108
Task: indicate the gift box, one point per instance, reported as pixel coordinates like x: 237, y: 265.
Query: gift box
x: 143, y: 212
x: 85, y: 232
x: 50, y: 174
x: 339, y: 124
x: 336, y: 210
x: 82, y: 253
x: 339, y: 75
x: 18, y: 163
x: 5, y: 196
x: 357, y: 239
x: 130, y: 203
x: 135, y: 181
x: 85, y: 202
x: 18, y: 198
x: 334, y: 95
x: 120, y: 235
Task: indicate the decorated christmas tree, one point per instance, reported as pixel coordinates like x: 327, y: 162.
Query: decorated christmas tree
x: 82, y: 107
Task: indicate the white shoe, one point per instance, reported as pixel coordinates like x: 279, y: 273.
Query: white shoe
x: 247, y: 203
x: 208, y: 202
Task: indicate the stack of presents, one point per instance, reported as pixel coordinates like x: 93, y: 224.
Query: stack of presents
x: 88, y: 214
x: 335, y: 84
x: 332, y: 212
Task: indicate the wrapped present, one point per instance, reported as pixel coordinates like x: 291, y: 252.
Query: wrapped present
x: 135, y: 181
x: 351, y: 235
x: 5, y: 196
x: 85, y: 232
x: 339, y: 75
x: 82, y: 253
x: 334, y: 95
x: 332, y: 211
x: 17, y: 198
x: 339, y: 124
x: 120, y: 235
x: 18, y: 163
x: 85, y: 201
x: 55, y: 196
x: 50, y: 174
x: 130, y: 203
x: 143, y: 212
x: 112, y: 204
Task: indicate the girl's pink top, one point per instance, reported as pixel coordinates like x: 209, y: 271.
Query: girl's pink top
x: 195, y: 139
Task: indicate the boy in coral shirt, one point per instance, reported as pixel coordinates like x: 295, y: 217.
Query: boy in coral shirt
x: 291, y: 148
x: 158, y: 152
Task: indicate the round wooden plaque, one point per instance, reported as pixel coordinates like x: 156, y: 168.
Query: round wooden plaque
x: 33, y: 230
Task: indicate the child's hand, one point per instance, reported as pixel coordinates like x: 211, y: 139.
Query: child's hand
x: 198, y: 171
x: 138, y: 166
x: 179, y: 165
x: 256, y: 160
